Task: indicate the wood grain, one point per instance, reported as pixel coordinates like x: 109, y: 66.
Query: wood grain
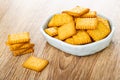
x: 28, y: 15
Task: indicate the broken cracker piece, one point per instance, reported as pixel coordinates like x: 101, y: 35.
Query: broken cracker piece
x: 23, y: 46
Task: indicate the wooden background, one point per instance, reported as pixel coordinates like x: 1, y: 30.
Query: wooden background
x: 28, y: 15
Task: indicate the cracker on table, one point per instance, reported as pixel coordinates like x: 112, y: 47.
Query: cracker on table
x: 66, y: 31
x: 60, y: 19
x: 22, y: 51
x: 35, y: 63
x: 16, y: 46
x: 86, y: 23
x: 77, y: 11
x: 18, y: 38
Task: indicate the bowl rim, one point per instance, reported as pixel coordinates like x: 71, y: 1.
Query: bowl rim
x: 77, y: 46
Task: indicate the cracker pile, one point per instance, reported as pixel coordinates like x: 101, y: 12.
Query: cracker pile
x: 20, y: 44
x: 78, y: 26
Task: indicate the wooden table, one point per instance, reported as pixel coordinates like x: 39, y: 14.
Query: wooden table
x: 28, y: 15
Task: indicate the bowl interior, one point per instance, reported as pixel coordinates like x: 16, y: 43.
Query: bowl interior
x: 62, y: 45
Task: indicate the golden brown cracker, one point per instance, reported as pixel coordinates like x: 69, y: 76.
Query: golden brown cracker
x: 66, y: 31
x: 91, y: 14
x: 81, y: 37
x: 22, y: 51
x: 60, y: 19
x: 51, y: 31
x: 104, y: 21
x: 56, y: 37
x: 15, y: 46
x: 28, y: 51
x: 100, y: 32
x: 86, y: 23
x: 77, y: 11
x: 69, y: 40
x: 18, y: 38
x: 35, y: 63
x: 23, y: 46
x: 27, y: 45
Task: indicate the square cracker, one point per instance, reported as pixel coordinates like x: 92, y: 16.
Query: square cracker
x: 81, y: 37
x: 91, y: 14
x: 35, y: 63
x: 77, y: 11
x: 15, y: 46
x: 66, y: 31
x: 86, y: 23
x: 70, y: 41
x: 51, y: 31
x: 18, y: 38
x: 100, y: 32
x: 60, y: 19
x: 24, y: 46
x: 104, y: 21
x: 23, y: 51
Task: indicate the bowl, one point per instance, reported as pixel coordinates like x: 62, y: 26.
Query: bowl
x: 78, y: 50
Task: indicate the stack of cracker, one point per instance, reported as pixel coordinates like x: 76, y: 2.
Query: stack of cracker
x: 78, y: 26
x: 20, y: 44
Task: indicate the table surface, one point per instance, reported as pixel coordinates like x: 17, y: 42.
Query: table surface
x: 28, y: 15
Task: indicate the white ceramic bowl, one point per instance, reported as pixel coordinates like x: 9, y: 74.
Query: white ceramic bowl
x: 79, y: 50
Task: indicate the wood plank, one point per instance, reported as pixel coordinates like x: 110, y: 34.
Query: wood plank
x: 28, y: 15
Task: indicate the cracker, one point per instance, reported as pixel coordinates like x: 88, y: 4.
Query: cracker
x: 77, y: 11
x: 81, y: 37
x: 35, y: 63
x: 86, y: 23
x: 28, y: 51
x: 21, y: 51
x: 69, y: 40
x: 100, y: 32
x: 15, y: 46
x: 24, y: 46
x: 91, y: 14
x: 7, y: 43
x: 104, y: 21
x: 51, y: 31
x: 60, y: 19
x: 56, y: 37
x: 66, y: 31
x: 18, y: 38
